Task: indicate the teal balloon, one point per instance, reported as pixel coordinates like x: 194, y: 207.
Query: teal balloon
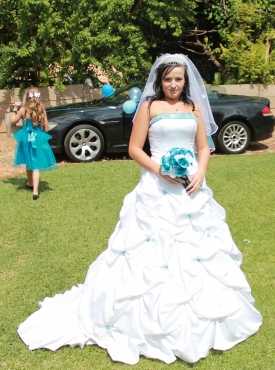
x: 129, y: 106
x: 135, y: 93
x: 107, y: 90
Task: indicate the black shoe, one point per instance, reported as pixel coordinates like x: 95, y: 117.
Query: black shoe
x: 35, y: 196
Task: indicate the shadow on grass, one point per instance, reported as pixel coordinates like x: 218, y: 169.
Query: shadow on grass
x: 20, y: 184
x: 216, y: 352
x: 254, y: 146
x: 62, y: 158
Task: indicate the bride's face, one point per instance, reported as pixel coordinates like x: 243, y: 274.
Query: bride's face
x: 173, y: 83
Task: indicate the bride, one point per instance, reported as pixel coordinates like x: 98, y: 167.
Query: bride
x: 169, y: 283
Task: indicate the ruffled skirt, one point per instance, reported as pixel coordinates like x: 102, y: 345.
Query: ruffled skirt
x: 168, y: 285
x: 33, y: 149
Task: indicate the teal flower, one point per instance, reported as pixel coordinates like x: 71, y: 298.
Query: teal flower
x: 176, y: 162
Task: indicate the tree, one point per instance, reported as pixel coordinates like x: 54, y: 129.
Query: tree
x: 238, y: 37
x: 248, y: 51
x: 234, y: 38
x: 60, y: 39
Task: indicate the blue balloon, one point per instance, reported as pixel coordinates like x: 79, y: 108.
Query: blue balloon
x: 135, y: 93
x: 107, y: 90
x: 129, y: 106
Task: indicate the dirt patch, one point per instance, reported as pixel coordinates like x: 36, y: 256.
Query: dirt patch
x: 7, y: 146
x: 267, y: 146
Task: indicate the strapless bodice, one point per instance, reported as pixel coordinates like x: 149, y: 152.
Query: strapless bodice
x: 169, y: 130
x: 29, y: 124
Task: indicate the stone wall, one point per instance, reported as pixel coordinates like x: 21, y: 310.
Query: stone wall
x: 51, y: 96
x: 267, y: 91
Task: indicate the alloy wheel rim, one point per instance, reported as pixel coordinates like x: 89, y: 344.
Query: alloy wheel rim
x: 235, y: 137
x: 85, y: 144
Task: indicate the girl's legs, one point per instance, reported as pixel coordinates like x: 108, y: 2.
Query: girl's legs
x: 35, y: 178
x: 29, y: 178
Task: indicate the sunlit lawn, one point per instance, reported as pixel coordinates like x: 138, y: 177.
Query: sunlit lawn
x: 47, y: 246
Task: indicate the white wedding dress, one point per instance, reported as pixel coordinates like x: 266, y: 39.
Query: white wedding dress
x: 169, y: 283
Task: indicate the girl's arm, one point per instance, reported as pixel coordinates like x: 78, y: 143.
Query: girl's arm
x: 138, y: 137
x: 17, y: 116
x: 203, y: 154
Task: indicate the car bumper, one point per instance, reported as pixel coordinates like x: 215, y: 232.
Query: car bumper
x: 263, y: 127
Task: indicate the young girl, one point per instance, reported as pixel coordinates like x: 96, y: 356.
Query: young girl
x: 33, y: 149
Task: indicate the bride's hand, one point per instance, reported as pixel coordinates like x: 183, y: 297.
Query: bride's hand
x: 165, y: 177
x: 196, y: 182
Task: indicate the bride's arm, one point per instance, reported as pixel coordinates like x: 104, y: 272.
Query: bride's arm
x: 203, y: 155
x: 202, y: 146
x: 138, y: 137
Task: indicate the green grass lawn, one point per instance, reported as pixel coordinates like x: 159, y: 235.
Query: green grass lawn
x: 47, y: 246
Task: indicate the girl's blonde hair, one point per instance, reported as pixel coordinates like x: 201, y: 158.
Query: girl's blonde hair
x: 33, y: 106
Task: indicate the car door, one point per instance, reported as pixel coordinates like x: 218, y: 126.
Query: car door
x: 127, y: 125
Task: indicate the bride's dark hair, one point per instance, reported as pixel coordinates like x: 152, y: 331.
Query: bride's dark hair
x: 163, y: 71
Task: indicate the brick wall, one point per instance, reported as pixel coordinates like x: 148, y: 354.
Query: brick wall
x: 267, y: 91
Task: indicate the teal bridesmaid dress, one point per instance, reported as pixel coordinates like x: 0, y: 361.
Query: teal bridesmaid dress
x: 32, y: 147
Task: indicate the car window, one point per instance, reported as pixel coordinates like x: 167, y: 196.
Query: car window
x: 116, y: 99
x: 121, y: 95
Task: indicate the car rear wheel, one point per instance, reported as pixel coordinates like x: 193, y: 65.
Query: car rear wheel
x: 84, y: 143
x: 234, y: 137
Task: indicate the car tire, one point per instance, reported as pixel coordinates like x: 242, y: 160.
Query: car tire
x: 84, y: 143
x: 234, y: 137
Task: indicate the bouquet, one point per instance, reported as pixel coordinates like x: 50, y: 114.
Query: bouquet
x: 175, y: 163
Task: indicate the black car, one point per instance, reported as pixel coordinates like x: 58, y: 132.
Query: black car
x: 84, y: 131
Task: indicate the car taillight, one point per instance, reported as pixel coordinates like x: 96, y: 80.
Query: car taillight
x: 266, y: 110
